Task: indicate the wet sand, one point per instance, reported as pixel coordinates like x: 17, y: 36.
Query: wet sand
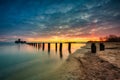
x: 84, y: 65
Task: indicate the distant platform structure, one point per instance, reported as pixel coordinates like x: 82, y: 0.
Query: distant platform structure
x: 20, y: 41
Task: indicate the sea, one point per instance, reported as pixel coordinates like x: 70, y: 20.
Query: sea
x: 28, y: 62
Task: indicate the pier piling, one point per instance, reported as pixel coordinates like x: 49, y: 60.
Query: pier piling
x: 60, y: 47
x: 48, y: 47
x: 56, y: 47
x: 39, y: 45
x: 43, y: 47
x: 93, y: 48
x: 102, y: 47
x: 69, y: 47
x: 60, y: 50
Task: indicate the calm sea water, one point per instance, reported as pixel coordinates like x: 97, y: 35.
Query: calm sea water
x: 25, y: 62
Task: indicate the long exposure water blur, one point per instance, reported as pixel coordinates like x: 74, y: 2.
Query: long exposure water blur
x: 25, y: 62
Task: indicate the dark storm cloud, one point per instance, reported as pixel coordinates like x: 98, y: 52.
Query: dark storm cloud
x: 45, y: 17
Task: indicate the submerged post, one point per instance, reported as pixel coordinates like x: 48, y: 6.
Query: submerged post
x: 69, y: 47
x: 48, y: 47
x: 61, y: 54
x: 60, y: 47
x: 39, y: 45
x: 56, y: 47
x: 102, y: 47
x: 93, y: 48
x: 61, y: 50
x: 43, y: 47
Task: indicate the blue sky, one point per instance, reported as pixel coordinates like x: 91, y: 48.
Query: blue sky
x: 58, y: 18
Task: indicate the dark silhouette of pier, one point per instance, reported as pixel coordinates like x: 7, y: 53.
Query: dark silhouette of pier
x: 69, y: 47
x: 56, y: 47
x: 60, y: 50
x: 48, y: 47
x: 41, y: 45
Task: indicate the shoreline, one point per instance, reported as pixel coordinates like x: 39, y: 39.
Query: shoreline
x: 84, y: 65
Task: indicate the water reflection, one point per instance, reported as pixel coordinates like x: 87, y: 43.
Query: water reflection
x: 18, y: 60
x: 61, y: 55
x: 39, y: 46
x: 18, y: 46
x: 53, y: 48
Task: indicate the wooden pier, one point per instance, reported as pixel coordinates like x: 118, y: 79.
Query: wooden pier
x: 48, y: 44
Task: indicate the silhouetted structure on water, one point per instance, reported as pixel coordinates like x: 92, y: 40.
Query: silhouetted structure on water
x: 19, y: 41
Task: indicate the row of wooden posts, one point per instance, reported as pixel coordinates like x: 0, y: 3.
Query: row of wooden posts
x: 56, y: 46
x: 93, y: 47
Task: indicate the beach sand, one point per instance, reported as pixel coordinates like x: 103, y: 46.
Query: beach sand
x: 84, y: 65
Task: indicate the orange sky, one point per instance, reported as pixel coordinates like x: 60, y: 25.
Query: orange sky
x: 61, y: 39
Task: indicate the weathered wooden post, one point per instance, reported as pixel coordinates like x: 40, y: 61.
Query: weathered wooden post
x: 61, y: 50
x: 56, y: 47
x: 93, y: 48
x: 60, y: 47
x: 102, y: 47
x: 48, y: 47
x: 39, y: 45
x: 43, y: 47
x: 69, y: 47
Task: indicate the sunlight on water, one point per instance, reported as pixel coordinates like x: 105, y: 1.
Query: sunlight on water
x: 25, y: 62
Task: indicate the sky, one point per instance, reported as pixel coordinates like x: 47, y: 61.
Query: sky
x: 42, y: 20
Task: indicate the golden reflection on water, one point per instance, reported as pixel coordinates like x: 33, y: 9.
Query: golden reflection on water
x: 53, y: 51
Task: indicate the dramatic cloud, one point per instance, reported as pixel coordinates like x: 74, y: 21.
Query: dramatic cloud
x: 61, y: 18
